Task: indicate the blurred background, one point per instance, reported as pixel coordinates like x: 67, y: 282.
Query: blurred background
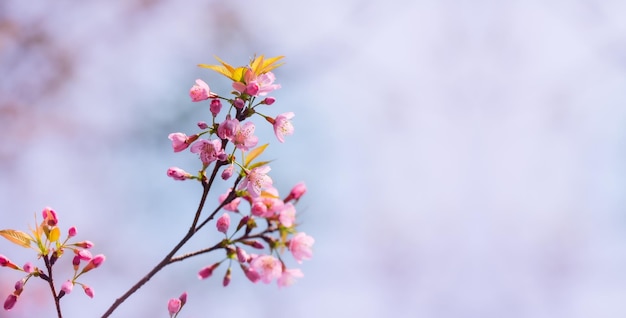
x: 463, y: 158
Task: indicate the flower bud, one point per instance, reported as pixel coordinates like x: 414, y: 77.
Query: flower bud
x: 178, y: 174
x: 173, y: 306
x: 215, y: 107
x: 269, y: 101
x: 202, y: 125
x: 183, y: 299
x: 84, y: 244
x: 226, y: 279
x: 207, y: 271
x: 228, y: 172
x: 242, y: 256
x: 10, y: 302
x: 88, y: 291
x: 239, y: 103
x: 94, y: 263
x: 296, y: 192
x: 28, y: 267
x: 223, y: 223
x: 67, y: 287
x: 72, y: 231
x: 50, y: 217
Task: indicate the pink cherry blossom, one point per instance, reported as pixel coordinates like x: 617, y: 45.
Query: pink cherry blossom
x: 288, y: 277
x: 266, y: 82
x: 300, y: 246
x: 244, y: 138
x: 178, y: 174
x: 287, y: 216
x: 200, y: 91
x: 283, y: 126
x: 72, y: 231
x: 267, y: 266
x: 256, y: 180
x: 179, y: 141
x: 223, y: 223
x: 227, y: 129
x: 209, y: 150
x: 266, y: 206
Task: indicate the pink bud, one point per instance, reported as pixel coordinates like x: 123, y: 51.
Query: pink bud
x: 4, y: 260
x: 50, y: 217
x: 19, y: 285
x: 223, y: 223
x: 84, y: 244
x: 10, y: 302
x: 183, y: 298
x: 239, y: 103
x: 94, y: 263
x: 207, y: 271
x: 84, y: 255
x: 72, y: 231
x: 178, y: 173
x: 67, y: 287
x: 28, y: 267
x: 269, y: 100
x: 226, y: 279
x: 215, y: 107
x: 252, y: 89
x: 88, y: 291
x: 228, y: 172
x: 173, y: 306
x: 202, y: 125
x: 251, y: 274
x: 76, y: 262
x: 242, y: 256
x: 296, y: 192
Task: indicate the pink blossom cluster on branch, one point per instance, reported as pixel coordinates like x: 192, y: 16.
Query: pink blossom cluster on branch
x: 45, y: 239
x: 256, y: 222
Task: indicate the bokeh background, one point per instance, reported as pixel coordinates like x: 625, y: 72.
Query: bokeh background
x: 463, y: 158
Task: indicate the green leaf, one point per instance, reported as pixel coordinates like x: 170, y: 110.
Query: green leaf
x: 253, y: 154
x: 258, y: 164
x: 18, y: 237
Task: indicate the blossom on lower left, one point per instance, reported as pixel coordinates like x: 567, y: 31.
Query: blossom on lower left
x: 46, y: 240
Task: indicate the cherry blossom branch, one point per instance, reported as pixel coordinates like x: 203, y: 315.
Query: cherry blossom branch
x: 50, y: 281
x: 190, y: 233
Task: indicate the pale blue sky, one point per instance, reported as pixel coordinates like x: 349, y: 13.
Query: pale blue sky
x: 463, y: 159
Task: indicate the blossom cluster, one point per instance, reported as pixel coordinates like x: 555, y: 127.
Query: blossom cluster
x: 46, y: 240
x: 229, y: 144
